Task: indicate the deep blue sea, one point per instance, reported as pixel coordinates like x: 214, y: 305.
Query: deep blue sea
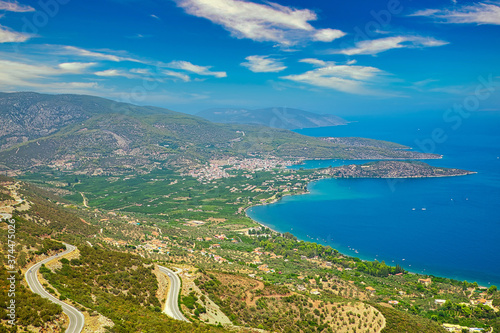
x: 441, y: 226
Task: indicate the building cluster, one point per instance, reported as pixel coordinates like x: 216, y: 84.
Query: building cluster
x: 207, y: 173
x: 217, y: 169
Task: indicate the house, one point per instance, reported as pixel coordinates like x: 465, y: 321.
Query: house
x: 219, y: 259
x: 371, y: 290
x: 199, y: 239
x: 256, y: 251
x: 215, y: 246
x: 425, y: 282
x: 264, y: 268
x: 394, y: 302
x: 439, y: 301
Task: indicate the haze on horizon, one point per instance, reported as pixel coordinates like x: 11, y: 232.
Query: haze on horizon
x: 341, y: 57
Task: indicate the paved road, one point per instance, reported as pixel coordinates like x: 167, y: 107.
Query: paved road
x: 172, y: 305
x: 76, y: 319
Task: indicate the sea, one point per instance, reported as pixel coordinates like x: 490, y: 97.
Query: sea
x: 448, y: 227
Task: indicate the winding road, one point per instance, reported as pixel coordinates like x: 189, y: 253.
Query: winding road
x: 76, y: 319
x: 172, y: 304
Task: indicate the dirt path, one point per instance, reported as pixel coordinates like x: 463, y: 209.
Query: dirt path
x: 85, y: 201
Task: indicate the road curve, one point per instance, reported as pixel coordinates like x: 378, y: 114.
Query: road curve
x: 172, y: 304
x: 76, y: 319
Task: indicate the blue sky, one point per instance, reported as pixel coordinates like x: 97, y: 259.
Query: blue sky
x: 343, y: 57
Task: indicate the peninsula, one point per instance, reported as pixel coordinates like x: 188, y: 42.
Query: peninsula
x: 393, y: 169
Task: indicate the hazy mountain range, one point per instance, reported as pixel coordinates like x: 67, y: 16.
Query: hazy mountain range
x: 277, y: 117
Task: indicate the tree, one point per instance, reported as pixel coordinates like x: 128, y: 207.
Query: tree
x: 492, y: 289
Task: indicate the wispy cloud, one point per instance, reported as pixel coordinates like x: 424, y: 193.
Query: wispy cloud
x: 14, y: 6
x: 154, y: 16
x: 177, y: 75
x: 101, y: 55
x: 347, y: 78
x: 9, y: 36
x: 261, y: 22
x: 263, y: 64
x: 144, y: 74
x: 379, y: 45
x: 116, y: 73
x: 29, y: 75
x: 76, y: 67
x: 479, y: 13
x: 200, y: 70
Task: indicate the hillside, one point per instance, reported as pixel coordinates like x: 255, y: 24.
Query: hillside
x: 277, y: 117
x: 271, y: 281
x: 28, y: 116
x: 92, y: 135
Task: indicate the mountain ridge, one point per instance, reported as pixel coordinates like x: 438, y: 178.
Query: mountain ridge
x: 95, y: 135
x: 276, y: 117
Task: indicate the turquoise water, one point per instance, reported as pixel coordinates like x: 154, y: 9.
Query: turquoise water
x: 442, y: 226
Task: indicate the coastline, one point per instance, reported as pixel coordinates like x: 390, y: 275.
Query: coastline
x: 307, y: 191
x: 438, y: 157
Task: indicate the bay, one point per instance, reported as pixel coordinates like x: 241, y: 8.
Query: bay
x: 441, y: 226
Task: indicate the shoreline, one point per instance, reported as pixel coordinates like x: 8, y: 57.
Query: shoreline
x: 439, y: 157
x: 275, y: 200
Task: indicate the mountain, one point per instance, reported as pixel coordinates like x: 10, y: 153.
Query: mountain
x: 277, y: 117
x: 93, y: 135
x: 28, y: 115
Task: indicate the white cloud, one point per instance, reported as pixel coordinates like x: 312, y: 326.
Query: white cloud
x: 479, y: 13
x: 116, y: 73
x: 345, y: 78
x: 96, y: 55
x: 9, y: 36
x: 261, y: 22
x: 183, y: 77
x: 315, y: 62
x: 154, y: 16
x: 200, y: 70
x: 76, y: 67
x: 376, y: 46
x: 263, y: 64
x: 14, y: 74
x: 327, y: 35
x: 14, y: 6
